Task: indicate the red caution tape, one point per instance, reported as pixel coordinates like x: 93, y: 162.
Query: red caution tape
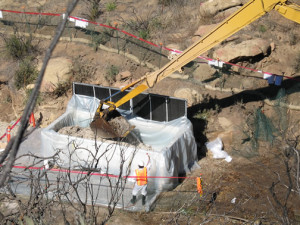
x: 141, y: 39
x: 93, y: 173
x: 11, y: 128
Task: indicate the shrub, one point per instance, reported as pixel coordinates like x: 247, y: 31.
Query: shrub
x: 110, y: 6
x: 111, y: 73
x: 93, y: 9
x: 62, y: 88
x: 26, y: 73
x: 19, y: 47
x: 144, y: 34
x: 28, y: 93
x: 169, y: 2
x: 99, y: 38
x: 81, y: 70
x: 262, y: 29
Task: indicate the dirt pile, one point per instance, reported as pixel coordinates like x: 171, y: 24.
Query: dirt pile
x: 86, y: 133
x: 76, y: 131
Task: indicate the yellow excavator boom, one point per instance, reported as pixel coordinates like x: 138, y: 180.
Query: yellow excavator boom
x: 251, y: 11
x: 248, y: 13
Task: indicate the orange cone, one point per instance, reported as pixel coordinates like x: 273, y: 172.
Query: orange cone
x: 8, y: 133
x: 32, y: 120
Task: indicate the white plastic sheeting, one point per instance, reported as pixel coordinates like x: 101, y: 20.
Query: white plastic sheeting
x: 170, y: 145
x: 216, y: 147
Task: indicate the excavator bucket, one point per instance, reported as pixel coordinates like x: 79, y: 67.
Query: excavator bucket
x: 110, y: 125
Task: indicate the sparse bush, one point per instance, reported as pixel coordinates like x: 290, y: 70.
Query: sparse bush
x: 156, y: 24
x: 100, y: 38
x: 62, y: 88
x: 93, y: 7
x: 111, y: 73
x: 28, y: 93
x: 169, y: 2
x: 262, y: 29
x: 19, y: 47
x: 144, y: 34
x: 141, y: 25
x: 26, y: 73
x: 293, y: 39
x: 81, y: 70
x: 202, y: 114
x: 110, y: 6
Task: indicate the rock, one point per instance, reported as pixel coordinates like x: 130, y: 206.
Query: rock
x: 204, y: 29
x: 248, y: 48
x: 225, y: 123
x: 212, y: 7
x: 275, y: 68
x: 30, y: 86
x: 177, y: 75
x: 9, y: 207
x: 226, y: 13
x: 191, y: 95
x: 203, y: 72
x: 56, y: 71
x: 273, y: 46
x: 4, y: 78
x: 123, y: 75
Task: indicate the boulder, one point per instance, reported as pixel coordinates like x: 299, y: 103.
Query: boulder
x: 191, y: 95
x: 123, y: 76
x: 245, y: 49
x: 212, y: 7
x: 3, y: 78
x: 204, y: 29
x: 226, y: 13
x: 203, y: 72
x: 56, y: 71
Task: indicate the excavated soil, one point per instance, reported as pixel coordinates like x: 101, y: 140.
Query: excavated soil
x: 87, y: 133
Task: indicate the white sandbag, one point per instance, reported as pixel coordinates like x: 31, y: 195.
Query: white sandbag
x: 215, y: 147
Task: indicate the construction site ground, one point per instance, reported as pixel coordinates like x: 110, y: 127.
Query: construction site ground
x: 236, y: 192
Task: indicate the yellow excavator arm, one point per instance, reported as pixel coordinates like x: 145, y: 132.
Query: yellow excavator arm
x: 248, y: 13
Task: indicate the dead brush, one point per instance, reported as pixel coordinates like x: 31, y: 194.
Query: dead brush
x: 18, y: 47
x: 93, y: 9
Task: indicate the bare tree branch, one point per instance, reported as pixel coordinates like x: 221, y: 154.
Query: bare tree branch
x: 33, y: 97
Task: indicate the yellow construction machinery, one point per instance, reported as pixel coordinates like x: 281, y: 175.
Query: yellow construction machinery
x: 248, y: 13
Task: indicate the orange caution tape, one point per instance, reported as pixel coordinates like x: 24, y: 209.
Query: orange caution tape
x: 199, y: 186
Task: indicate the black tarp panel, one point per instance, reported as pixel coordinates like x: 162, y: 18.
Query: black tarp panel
x: 101, y: 92
x: 141, y: 106
x: 158, y: 107
x: 126, y: 105
x: 176, y: 108
x: 148, y: 106
x: 81, y: 89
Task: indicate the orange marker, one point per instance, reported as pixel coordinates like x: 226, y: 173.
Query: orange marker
x: 199, y: 186
x: 32, y: 120
x: 8, y: 133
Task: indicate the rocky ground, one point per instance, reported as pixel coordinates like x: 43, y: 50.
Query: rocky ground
x: 220, y: 105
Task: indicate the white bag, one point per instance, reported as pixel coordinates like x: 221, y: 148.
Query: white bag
x: 215, y: 147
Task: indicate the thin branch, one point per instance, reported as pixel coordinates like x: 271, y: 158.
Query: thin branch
x: 33, y: 97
